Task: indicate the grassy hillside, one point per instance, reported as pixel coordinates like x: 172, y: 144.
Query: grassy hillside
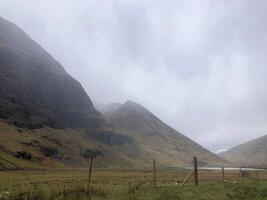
x: 55, y: 148
x: 249, y: 154
x: 155, y: 138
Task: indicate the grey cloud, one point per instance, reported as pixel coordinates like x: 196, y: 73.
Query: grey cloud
x: 198, y: 65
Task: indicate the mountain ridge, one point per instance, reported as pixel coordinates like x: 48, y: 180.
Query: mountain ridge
x: 255, y: 150
x: 135, y: 120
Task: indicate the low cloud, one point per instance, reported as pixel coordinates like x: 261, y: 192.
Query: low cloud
x: 200, y: 66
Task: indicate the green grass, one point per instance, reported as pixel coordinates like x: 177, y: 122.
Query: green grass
x: 122, y: 185
x: 206, y: 191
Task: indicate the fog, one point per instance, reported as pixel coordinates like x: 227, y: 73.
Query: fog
x: 200, y: 66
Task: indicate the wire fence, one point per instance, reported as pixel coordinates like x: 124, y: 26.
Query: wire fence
x: 67, y: 181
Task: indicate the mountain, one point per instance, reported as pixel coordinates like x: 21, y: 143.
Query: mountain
x: 46, y: 117
x: 35, y: 89
x: 48, y: 121
x: 154, y: 138
x: 249, y: 154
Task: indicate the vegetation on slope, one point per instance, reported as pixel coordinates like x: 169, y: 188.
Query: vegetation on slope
x: 21, y: 148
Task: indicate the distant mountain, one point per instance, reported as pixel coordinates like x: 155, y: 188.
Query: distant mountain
x: 249, y: 154
x: 156, y: 139
x: 35, y: 89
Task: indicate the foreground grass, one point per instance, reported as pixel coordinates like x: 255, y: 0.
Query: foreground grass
x: 127, y: 185
x: 205, y: 191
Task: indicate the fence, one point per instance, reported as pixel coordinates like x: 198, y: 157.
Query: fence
x: 126, y: 180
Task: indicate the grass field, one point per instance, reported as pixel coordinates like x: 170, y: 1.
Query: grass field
x: 72, y: 184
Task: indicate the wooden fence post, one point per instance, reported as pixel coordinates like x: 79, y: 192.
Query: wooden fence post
x: 195, y: 170
x: 240, y: 173
x: 154, y: 173
x: 89, y: 176
x: 223, y: 174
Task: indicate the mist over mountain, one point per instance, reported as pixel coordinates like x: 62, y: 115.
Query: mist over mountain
x: 198, y: 65
x: 48, y: 121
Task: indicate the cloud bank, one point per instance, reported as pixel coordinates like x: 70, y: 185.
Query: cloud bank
x: 200, y: 66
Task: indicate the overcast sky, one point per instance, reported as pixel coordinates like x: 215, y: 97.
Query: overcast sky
x: 198, y: 65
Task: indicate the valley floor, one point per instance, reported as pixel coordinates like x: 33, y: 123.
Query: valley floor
x: 129, y: 185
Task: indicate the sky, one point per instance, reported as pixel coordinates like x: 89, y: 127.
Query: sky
x: 200, y: 66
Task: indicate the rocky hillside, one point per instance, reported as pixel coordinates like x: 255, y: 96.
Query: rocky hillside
x: 155, y: 138
x: 249, y: 154
x: 35, y: 89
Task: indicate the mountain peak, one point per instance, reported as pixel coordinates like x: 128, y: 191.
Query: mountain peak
x: 115, y: 107
x: 133, y: 105
x: 129, y: 102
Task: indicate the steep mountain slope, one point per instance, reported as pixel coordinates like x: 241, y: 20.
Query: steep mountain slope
x: 35, y: 89
x: 155, y: 138
x: 46, y: 118
x: 249, y: 154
